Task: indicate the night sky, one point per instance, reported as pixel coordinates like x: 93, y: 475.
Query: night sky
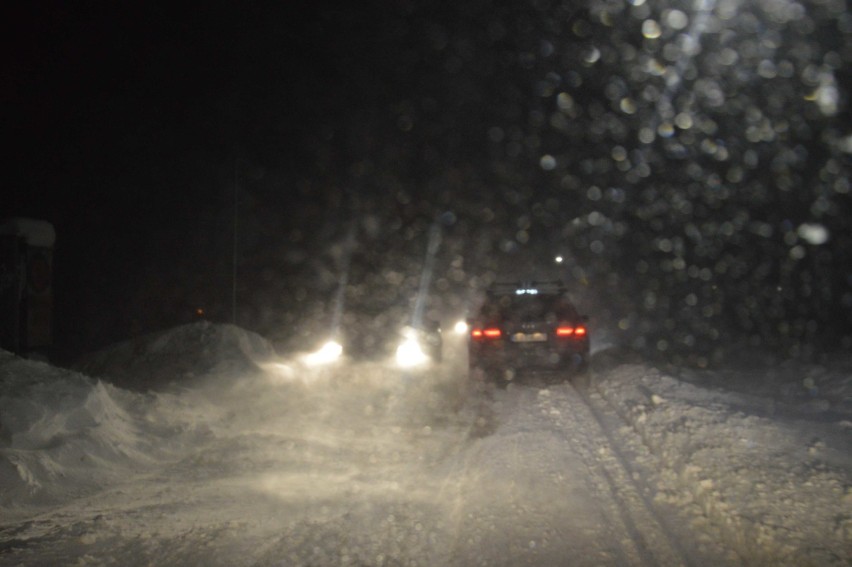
x: 116, y: 109
x: 684, y: 185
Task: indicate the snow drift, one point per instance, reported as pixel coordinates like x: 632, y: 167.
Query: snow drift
x: 179, y: 356
x: 64, y: 434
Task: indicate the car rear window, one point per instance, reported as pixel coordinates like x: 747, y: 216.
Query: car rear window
x: 550, y: 308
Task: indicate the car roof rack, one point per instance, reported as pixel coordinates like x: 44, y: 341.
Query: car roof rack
x: 527, y: 288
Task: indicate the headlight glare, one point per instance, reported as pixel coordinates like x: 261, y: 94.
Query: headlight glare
x: 328, y: 353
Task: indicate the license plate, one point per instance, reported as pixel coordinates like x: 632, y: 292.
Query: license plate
x: 529, y: 337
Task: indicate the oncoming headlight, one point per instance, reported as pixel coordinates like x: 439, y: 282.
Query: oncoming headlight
x: 328, y: 353
x: 409, y: 353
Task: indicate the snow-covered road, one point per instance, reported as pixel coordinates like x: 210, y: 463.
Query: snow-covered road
x: 366, y: 465
x: 357, y: 469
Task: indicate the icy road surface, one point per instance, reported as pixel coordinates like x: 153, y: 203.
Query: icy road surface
x: 366, y: 465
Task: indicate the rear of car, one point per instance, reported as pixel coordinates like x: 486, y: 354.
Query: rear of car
x: 532, y: 327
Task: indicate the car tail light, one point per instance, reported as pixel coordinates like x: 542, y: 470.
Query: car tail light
x: 566, y: 331
x: 488, y: 333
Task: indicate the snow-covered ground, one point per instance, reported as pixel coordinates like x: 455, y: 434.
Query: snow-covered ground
x: 764, y: 449
x: 216, y: 451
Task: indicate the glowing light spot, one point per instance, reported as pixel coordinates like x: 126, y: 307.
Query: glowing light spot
x: 564, y: 101
x: 651, y: 29
x: 826, y: 95
x: 709, y: 146
x: 766, y: 69
x: 684, y: 121
x: 627, y: 106
x: 592, y: 55
x: 676, y: 19
x: 547, y: 162
x: 813, y: 233
x: 409, y: 354
x: 329, y: 352
x: 596, y: 218
x: 656, y: 68
x: 647, y: 135
x: 665, y: 130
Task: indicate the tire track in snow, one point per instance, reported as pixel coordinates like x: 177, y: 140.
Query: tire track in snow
x: 543, y: 470
x: 653, y: 542
x: 516, y: 497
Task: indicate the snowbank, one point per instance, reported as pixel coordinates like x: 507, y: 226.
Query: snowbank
x: 63, y: 434
x: 775, y: 476
x: 179, y: 356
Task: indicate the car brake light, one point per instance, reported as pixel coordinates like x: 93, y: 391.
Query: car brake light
x: 570, y: 331
x: 489, y: 333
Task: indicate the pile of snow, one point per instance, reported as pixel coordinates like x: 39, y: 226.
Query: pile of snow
x: 179, y: 356
x: 63, y: 435
x: 766, y: 452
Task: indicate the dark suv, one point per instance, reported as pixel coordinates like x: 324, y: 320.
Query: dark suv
x: 527, y: 326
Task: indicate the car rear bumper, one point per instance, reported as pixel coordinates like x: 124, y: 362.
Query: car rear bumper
x: 548, y: 356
